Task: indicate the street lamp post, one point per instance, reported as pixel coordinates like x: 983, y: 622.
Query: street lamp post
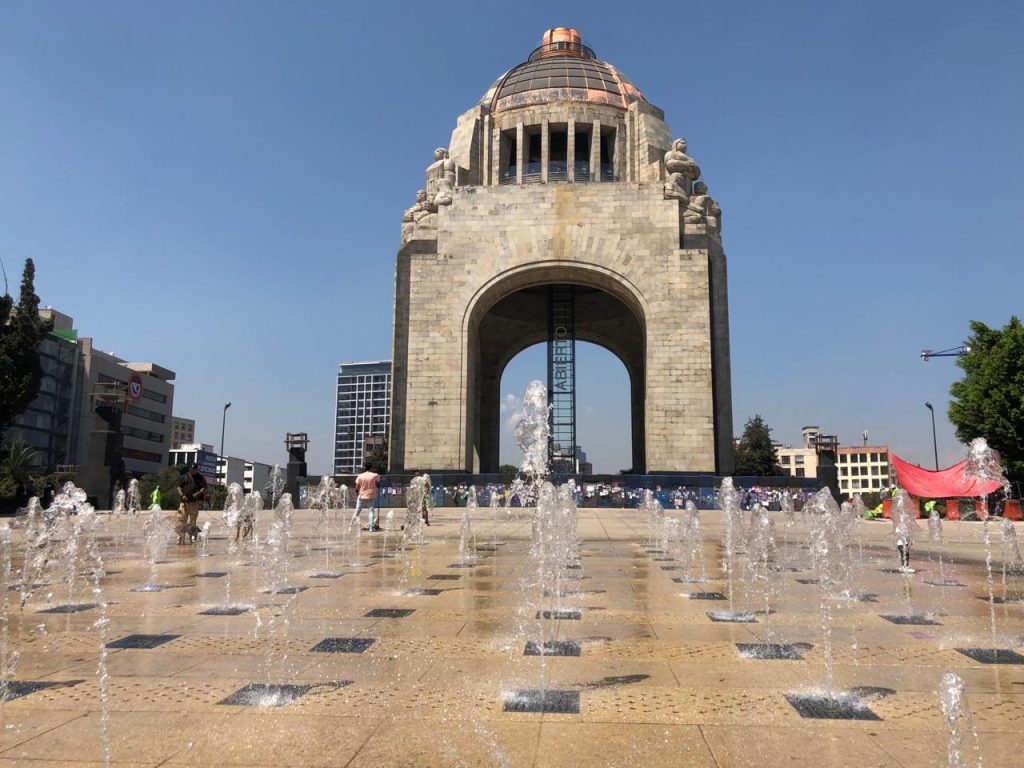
x: 223, y: 423
x: 935, y: 442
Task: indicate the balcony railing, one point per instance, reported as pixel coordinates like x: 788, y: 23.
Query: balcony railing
x: 562, y: 48
x: 558, y: 171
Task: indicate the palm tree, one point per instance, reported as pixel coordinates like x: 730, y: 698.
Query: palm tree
x: 18, y: 461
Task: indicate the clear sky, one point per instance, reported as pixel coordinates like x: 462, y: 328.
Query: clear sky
x: 217, y: 187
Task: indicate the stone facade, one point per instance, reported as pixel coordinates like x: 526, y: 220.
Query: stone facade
x: 650, y: 269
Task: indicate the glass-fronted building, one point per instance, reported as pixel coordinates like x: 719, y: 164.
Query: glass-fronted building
x: 363, y: 411
x: 49, y: 424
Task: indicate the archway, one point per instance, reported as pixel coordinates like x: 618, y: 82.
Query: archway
x: 512, y: 316
x: 604, y: 420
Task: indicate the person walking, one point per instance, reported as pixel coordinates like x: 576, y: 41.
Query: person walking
x: 366, y: 497
x: 48, y: 493
x: 192, y: 488
x: 154, y: 498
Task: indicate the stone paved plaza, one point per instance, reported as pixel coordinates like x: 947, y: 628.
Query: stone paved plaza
x: 656, y: 681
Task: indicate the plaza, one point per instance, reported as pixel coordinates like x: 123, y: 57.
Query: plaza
x: 385, y: 652
x: 249, y: 195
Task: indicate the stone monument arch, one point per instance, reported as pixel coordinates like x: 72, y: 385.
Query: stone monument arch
x: 561, y: 211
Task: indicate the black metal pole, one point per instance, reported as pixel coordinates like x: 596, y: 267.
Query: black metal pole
x: 935, y: 442
x: 223, y: 423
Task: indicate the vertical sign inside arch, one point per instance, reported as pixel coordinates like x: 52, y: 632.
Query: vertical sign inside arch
x: 562, y: 376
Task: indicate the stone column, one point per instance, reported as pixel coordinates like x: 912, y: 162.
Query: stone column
x: 570, y: 151
x: 619, y: 167
x: 595, y: 151
x: 485, y: 151
x: 495, y: 155
x: 545, y: 151
x: 519, y: 153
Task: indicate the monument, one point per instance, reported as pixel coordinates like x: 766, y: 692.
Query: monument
x: 561, y: 211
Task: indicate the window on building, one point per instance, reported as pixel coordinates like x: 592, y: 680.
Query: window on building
x: 508, y: 156
x: 533, y: 140
x: 558, y: 147
x: 607, y: 153
x: 799, y: 471
x: 582, y: 154
x: 799, y: 459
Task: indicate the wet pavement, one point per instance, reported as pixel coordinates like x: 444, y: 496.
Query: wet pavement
x: 409, y: 660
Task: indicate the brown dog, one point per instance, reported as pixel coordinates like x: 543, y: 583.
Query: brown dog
x: 189, y: 532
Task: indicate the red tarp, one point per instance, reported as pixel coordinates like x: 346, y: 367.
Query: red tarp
x: 945, y: 483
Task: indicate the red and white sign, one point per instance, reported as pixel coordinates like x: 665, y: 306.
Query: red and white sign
x: 135, y: 386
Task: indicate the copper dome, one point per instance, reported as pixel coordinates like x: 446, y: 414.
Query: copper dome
x: 561, y: 69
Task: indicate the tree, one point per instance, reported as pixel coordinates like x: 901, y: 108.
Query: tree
x: 378, y: 457
x: 508, y: 469
x: 756, y: 455
x: 21, y: 330
x: 167, y: 479
x: 989, y: 400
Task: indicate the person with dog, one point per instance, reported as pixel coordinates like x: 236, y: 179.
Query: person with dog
x: 366, y: 496
x: 192, y: 489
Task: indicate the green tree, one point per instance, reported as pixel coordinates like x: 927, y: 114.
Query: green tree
x: 21, y: 330
x: 378, y: 457
x: 755, y: 455
x: 168, y: 480
x: 989, y: 400
x: 508, y: 469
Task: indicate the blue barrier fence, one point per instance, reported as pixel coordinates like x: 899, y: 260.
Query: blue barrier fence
x: 612, y: 491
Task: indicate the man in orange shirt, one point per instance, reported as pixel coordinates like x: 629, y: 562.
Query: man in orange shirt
x: 366, y: 496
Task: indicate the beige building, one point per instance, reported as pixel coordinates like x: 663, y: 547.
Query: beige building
x: 93, y: 408
x: 183, y: 432
x: 562, y: 210
x: 145, y: 393
x: 801, y: 461
x: 863, y: 469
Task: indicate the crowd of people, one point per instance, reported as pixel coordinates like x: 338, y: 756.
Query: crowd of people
x: 597, y: 494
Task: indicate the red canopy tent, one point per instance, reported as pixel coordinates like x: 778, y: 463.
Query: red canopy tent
x: 944, y: 483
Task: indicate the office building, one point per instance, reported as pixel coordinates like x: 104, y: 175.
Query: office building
x: 363, y: 411
x: 97, y: 416
x: 863, y: 469
x: 49, y: 424
x: 200, y: 454
x: 801, y: 461
x: 183, y: 431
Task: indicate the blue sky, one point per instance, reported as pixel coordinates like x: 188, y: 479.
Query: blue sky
x: 217, y: 187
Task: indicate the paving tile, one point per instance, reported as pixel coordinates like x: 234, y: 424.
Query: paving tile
x: 842, y: 745
x: 261, y: 739
x: 657, y: 682
x: 591, y: 744
x: 134, y: 737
